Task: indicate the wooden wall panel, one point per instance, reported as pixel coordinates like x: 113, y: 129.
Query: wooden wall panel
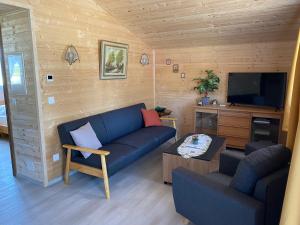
x: 16, y: 34
x: 77, y: 89
x: 178, y: 94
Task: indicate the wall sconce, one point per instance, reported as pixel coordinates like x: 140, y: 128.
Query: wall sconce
x: 71, y: 55
x: 144, y: 59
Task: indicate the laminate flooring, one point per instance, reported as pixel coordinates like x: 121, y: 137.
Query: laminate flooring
x: 138, y: 197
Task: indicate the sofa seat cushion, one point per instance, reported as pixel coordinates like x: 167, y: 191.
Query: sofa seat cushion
x: 120, y: 156
x: 148, y: 138
x: 258, y: 165
x: 219, y: 178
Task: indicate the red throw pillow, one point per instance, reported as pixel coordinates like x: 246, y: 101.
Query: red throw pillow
x: 151, y: 118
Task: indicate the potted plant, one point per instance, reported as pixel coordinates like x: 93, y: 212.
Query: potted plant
x: 206, y: 85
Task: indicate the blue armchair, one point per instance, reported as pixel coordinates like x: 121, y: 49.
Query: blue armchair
x: 249, y: 194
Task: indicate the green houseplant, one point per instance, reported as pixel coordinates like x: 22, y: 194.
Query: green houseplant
x: 208, y: 84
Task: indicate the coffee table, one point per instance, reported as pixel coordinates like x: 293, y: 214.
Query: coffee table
x: 202, y: 164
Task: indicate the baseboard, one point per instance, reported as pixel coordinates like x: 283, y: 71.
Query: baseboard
x: 60, y: 178
x: 40, y: 183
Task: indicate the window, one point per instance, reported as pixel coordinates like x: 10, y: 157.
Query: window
x: 16, y: 73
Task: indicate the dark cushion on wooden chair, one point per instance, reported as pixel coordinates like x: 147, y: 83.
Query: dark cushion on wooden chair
x: 257, y: 165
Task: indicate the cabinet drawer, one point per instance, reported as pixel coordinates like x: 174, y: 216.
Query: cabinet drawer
x: 234, y: 121
x: 236, y: 142
x: 234, y: 132
x: 234, y: 114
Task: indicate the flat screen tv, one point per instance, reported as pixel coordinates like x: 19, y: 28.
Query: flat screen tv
x: 261, y: 89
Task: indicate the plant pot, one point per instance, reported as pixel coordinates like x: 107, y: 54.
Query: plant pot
x: 205, y: 100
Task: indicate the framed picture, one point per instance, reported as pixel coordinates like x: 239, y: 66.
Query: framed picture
x: 16, y: 73
x: 168, y: 62
x: 113, y: 60
x: 175, y: 68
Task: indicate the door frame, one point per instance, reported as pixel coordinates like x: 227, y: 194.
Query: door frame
x: 7, y: 106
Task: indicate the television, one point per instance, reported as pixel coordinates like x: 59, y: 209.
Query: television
x: 260, y: 89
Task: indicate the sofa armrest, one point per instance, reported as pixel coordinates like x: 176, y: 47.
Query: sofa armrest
x: 90, y: 150
x: 170, y: 119
x: 229, y: 161
x: 204, y: 201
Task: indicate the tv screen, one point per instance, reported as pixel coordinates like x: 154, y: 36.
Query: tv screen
x: 262, y: 89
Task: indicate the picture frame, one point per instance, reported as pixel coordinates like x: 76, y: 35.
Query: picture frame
x: 168, y: 62
x: 16, y: 73
x: 175, y: 68
x: 113, y: 60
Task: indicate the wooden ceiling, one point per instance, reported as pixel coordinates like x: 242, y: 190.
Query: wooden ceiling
x: 186, y: 23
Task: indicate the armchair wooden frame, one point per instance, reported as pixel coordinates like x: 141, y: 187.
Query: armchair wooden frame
x: 173, y: 120
x: 101, y: 173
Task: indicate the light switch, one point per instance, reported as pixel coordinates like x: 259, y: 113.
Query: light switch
x: 51, y: 100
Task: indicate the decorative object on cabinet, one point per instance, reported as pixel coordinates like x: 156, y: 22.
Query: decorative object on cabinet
x: 168, y: 62
x: 113, y: 60
x: 208, y: 84
x: 175, y: 68
x: 71, y: 55
x: 16, y: 73
x: 144, y: 59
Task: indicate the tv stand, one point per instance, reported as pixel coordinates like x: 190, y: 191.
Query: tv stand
x: 239, y: 124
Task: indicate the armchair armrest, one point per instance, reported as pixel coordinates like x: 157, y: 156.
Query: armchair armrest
x: 94, y: 151
x: 229, y: 161
x: 204, y: 201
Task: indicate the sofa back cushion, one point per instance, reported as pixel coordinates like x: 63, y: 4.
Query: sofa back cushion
x: 258, y: 165
x: 123, y: 121
x: 85, y: 137
x: 108, y: 126
x: 97, y: 124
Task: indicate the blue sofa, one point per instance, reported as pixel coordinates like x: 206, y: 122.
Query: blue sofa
x: 243, y: 195
x: 124, y: 139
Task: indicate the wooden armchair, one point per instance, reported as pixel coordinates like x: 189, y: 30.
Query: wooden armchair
x: 101, y: 173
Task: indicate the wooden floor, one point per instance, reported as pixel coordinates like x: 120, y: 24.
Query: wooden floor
x: 138, y: 197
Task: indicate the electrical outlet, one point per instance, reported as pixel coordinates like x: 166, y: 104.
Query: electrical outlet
x: 51, y: 100
x: 55, y: 157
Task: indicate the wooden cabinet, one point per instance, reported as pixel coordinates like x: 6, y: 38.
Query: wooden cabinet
x: 232, y: 122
